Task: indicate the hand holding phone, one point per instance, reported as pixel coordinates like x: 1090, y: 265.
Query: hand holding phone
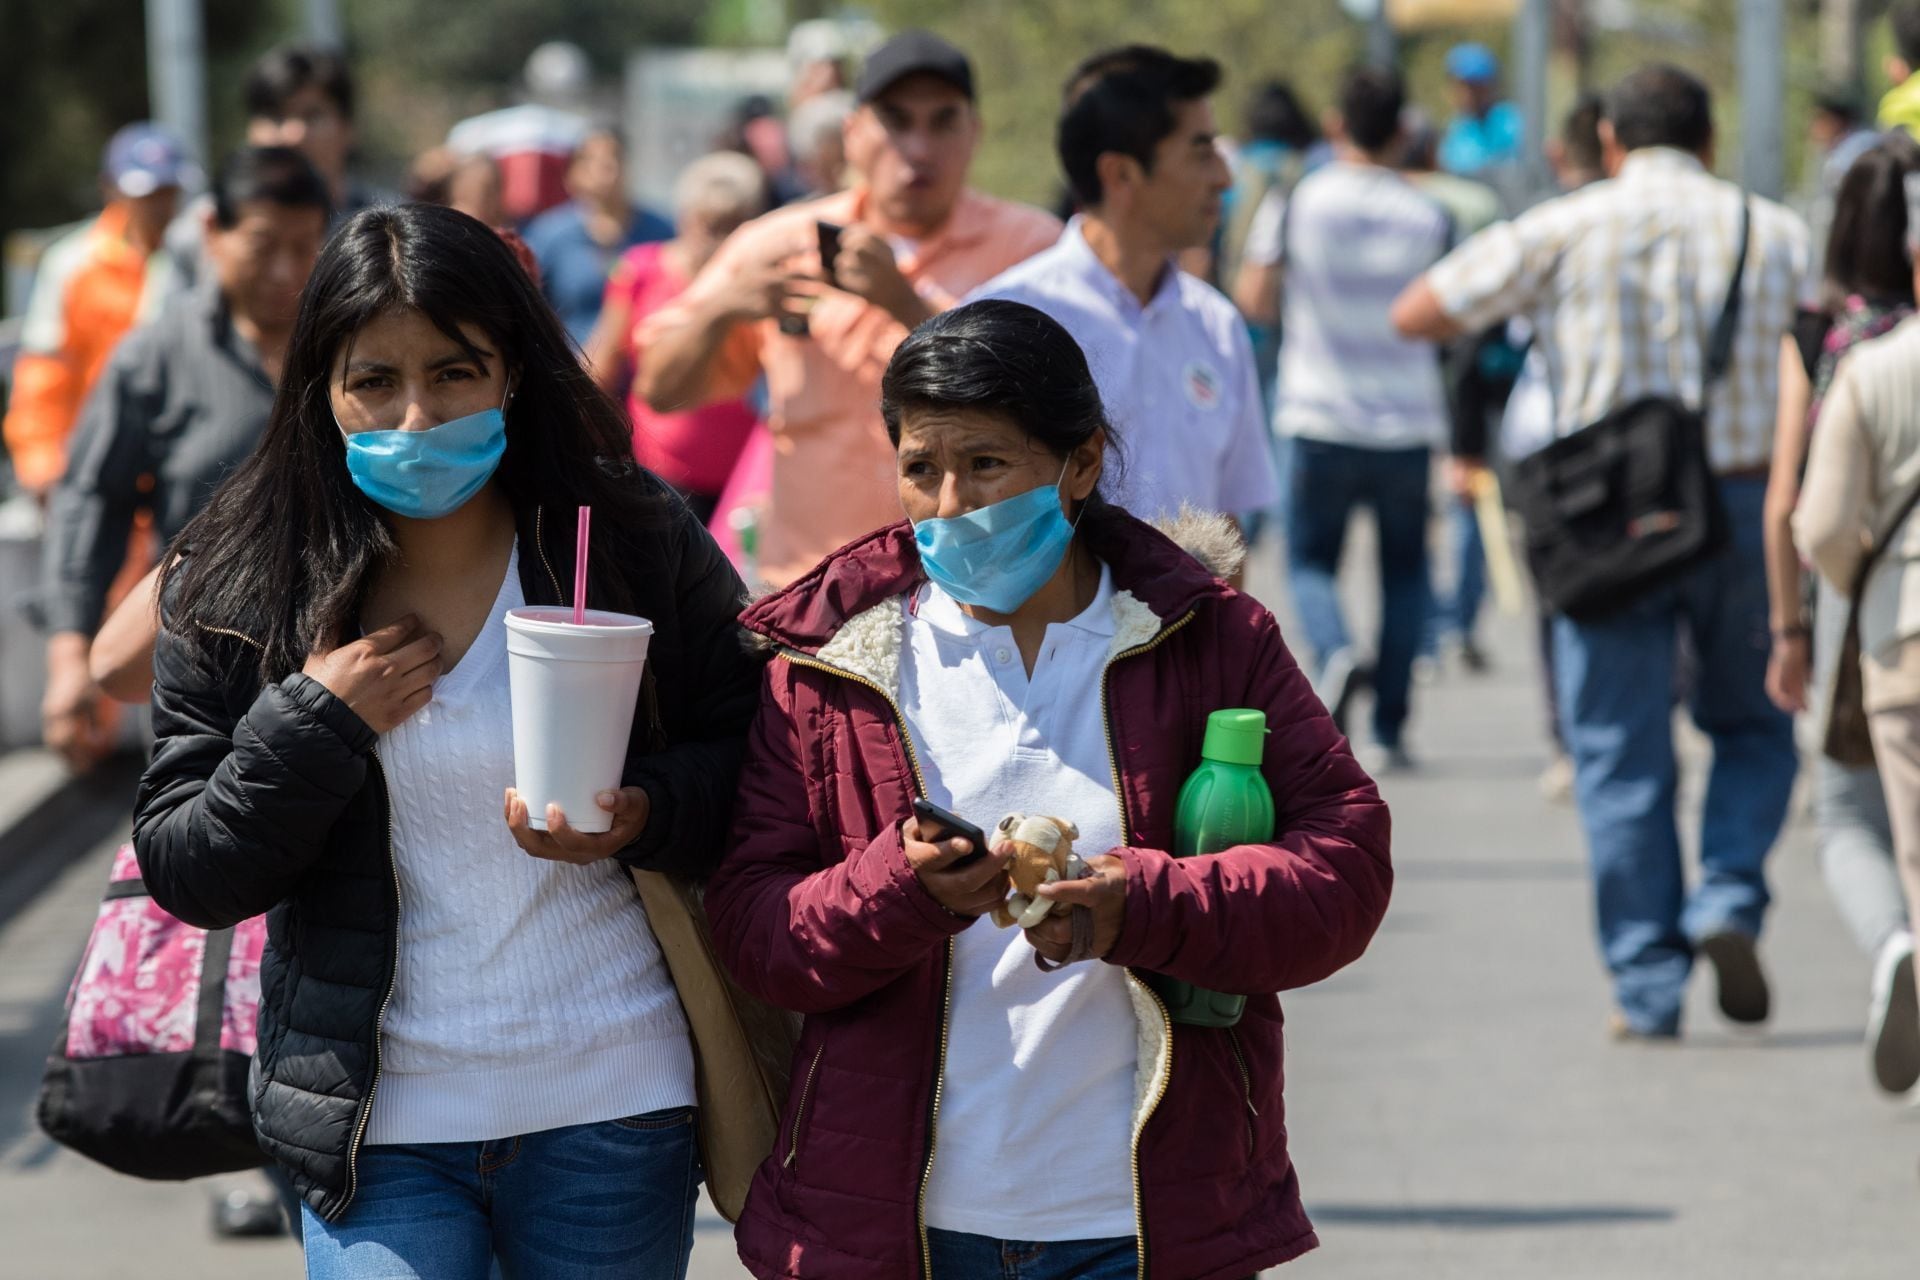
x: 938, y: 825
x: 971, y: 884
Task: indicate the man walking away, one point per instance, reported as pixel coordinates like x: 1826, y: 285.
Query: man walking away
x: 1364, y: 407
x: 1624, y: 281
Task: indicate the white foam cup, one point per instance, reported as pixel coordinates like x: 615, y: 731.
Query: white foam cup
x: 574, y: 692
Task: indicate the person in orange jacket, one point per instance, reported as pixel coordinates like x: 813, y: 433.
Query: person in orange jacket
x: 93, y: 285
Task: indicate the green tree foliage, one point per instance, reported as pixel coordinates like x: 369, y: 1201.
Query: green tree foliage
x: 1022, y: 50
x: 76, y: 70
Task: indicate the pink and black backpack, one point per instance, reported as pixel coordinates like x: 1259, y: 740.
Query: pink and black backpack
x: 148, y: 1075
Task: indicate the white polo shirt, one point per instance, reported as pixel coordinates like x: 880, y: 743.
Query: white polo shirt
x: 1040, y: 1066
x: 1176, y: 375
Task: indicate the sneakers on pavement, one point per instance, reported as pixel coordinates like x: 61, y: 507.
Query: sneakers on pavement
x: 1340, y: 678
x: 1378, y: 759
x: 1893, y: 1017
x: 244, y: 1211
x: 1556, y: 780
x: 1744, y: 997
x: 1620, y: 1029
x: 1464, y: 652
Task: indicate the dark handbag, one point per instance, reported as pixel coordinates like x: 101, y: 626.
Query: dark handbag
x: 148, y: 1073
x: 1629, y: 503
x: 1846, y: 741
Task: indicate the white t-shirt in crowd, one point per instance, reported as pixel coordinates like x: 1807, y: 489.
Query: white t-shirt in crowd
x: 1033, y: 1139
x: 1355, y: 236
x: 1176, y: 377
x: 530, y: 994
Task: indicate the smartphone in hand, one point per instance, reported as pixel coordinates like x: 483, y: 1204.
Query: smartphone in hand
x: 937, y: 824
x: 829, y: 249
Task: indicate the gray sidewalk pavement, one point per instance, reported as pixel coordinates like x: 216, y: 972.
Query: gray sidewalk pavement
x: 1455, y: 1105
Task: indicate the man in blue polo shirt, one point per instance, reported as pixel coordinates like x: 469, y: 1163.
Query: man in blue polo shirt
x: 1169, y: 352
x: 1363, y: 408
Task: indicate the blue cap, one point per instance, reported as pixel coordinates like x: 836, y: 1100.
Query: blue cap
x: 1472, y: 63
x: 143, y: 157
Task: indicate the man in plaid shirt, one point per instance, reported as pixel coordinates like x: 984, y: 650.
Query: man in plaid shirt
x: 1623, y: 281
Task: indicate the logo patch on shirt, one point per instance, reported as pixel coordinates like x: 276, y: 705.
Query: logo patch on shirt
x: 1203, y: 384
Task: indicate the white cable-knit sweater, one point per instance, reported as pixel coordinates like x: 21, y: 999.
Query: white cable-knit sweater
x: 530, y: 994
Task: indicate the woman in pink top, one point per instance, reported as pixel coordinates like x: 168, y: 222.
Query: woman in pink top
x: 695, y: 450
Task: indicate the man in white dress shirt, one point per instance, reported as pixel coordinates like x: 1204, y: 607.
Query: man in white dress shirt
x: 1170, y: 353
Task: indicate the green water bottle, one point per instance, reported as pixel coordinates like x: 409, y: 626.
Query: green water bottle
x: 1223, y: 803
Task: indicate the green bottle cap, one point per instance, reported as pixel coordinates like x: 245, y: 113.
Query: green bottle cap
x: 1235, y: 736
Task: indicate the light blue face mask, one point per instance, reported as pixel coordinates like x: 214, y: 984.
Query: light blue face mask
x: 998, y: 556
x: 424, y: 475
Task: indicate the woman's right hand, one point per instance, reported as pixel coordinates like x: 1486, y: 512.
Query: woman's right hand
x: 384, y: 677
x: 1787, y: 673
x: 968, y: 891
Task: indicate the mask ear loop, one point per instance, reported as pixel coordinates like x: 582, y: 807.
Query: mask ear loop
x: 1073, y: 526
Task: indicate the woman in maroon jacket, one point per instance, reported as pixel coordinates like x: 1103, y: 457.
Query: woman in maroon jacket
x: 1023, y: 645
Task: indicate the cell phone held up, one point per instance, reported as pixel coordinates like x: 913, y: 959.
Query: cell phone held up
x: 829, y: 233
x: 795, y: 325
x: 937, y: 824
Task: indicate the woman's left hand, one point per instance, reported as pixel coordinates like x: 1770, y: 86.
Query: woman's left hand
x: 1104, y: 893
x: 561, y: 843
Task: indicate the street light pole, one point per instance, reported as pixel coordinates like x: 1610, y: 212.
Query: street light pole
x: 324, y: 25
x: 1532, y: 50
x: 1383, y: 47
x: 1763, y: 83
x: 177, y: 70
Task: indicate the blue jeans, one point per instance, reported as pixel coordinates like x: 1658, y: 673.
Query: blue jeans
x: 1458, y: 613
x: 589, y: 1201
x: 1328, y: 481
x: 1616, y: 680
x: 958, y: 1256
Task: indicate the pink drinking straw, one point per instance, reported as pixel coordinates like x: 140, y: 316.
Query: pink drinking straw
x: 580, y: 568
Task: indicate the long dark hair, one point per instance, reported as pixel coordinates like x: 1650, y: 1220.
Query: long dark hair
x: 1007, y: 358
x: 284, y: 552
x: 1867, y: 246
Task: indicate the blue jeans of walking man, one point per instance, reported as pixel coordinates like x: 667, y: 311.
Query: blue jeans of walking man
x: 1328, y: 482
x: 1617, y: 685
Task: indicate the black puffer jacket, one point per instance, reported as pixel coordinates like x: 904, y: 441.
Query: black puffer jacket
x: 272, y: 800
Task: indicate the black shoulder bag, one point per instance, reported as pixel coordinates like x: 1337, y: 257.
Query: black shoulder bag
x: 1630, y: 502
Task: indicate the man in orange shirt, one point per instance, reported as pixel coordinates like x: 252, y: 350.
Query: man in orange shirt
x: 913, y: 240
x: 93, y: 285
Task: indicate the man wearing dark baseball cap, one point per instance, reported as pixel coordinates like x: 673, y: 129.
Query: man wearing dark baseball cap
x: 913, y: 53
x: 907, y: 240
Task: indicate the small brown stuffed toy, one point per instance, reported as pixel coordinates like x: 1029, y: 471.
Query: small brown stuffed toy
x: 1042, y: 853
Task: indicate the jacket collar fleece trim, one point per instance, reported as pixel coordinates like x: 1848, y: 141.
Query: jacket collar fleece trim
x: 868, y: 645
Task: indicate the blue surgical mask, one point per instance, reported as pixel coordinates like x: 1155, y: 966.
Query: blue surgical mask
x: 424, y: 475
x: 998, y: 556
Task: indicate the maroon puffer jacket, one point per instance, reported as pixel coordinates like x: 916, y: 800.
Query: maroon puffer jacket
x: 815, y: 909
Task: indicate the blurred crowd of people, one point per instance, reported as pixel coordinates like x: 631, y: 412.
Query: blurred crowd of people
x: 1365, y: 309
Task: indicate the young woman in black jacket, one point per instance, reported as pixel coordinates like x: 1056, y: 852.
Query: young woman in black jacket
x: 470, y: 1049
